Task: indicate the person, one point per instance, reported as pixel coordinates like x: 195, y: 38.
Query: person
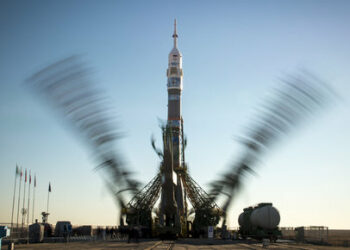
x: 69, y: 231
x: 136, y: 233
x: 130, y: 232
x: 112, y: 233
x: 107, y: 232
x: 65, y: 232
x: 98, y: 232
x: 133, y: 232
x: 104, y: 234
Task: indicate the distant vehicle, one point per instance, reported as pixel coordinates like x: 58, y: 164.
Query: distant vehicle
x: 63, y: 228
x: 260, y: 222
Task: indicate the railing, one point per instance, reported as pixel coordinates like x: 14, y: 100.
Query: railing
x: 318, y: 235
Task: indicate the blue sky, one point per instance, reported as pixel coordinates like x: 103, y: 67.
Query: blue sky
x: 233, y: 54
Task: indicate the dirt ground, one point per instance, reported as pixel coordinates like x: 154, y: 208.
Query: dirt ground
x: 184, y: 244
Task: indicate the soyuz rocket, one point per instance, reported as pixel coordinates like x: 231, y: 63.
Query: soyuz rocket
x: 173, y: 198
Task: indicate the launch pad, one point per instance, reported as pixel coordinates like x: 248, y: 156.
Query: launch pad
x: 67, y: 85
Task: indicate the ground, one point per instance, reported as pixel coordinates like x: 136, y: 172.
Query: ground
x: 183, y: 244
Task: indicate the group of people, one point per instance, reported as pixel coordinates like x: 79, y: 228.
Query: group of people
x: 107, y: 233
x: 133, y: 233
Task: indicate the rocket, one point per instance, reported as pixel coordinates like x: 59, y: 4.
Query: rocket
x: 172, y: 188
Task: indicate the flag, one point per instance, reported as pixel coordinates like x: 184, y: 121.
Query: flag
x: 49, y: 187
x: 25, y: 177
x: 30, y: 177
x: 17, y: 170
x: 21, y: 173
x: 34, y: 180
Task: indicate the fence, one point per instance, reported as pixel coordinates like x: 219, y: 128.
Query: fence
x: 317, y: 235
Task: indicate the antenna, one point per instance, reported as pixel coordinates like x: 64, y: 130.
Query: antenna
x: 175, y: 34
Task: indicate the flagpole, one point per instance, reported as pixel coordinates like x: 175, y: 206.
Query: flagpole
x: 29, y: 182
x: 14, y: 195
x: 48, y: 197
x: 24, y: 198
x: 19, y: 195
x: 34, y: 186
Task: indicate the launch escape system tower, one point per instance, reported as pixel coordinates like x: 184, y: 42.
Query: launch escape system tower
x: 173, y: 184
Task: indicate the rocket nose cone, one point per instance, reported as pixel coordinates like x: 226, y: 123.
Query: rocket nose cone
x: 175, y: 51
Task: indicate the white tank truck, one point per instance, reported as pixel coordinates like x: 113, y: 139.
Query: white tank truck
x: 260, y: 222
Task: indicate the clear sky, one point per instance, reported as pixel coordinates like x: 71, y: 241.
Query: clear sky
x: 233, y: 53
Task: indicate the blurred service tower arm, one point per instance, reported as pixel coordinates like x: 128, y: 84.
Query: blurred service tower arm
x: 174, y: 126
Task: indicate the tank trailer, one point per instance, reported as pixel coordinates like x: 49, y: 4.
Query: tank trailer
x: 260, y: 222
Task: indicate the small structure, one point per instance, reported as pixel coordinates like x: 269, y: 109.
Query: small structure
x: 4, y: 232
x: 63, y: 228
x: 36, y: 232
x: 312, y: 234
